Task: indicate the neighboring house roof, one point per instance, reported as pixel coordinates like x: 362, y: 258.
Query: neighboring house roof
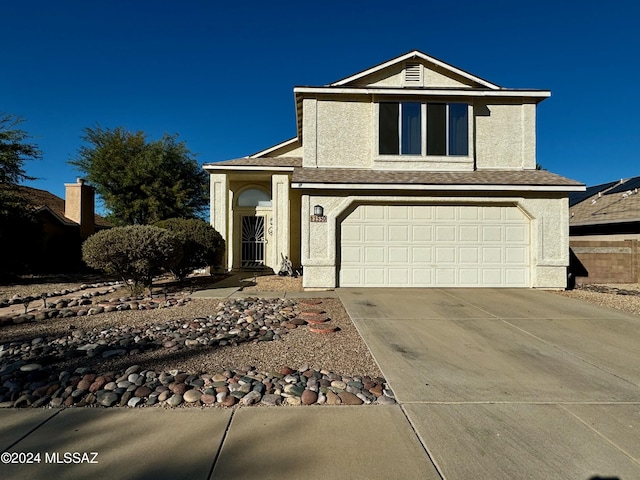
x: 613, y: 202
x: 43, y: 200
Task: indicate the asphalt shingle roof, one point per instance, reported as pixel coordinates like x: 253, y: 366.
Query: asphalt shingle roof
x: 403, y: 177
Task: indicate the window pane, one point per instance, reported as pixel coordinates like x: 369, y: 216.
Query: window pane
x: 436, y: 129
x: 458, y: 129
x: 411, y: 127
x: 254, y: 198
x: 388, y: 134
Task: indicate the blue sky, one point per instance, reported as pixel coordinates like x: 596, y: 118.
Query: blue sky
x: 222, y: 76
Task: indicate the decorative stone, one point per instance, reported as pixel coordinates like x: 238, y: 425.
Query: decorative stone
x: 309, y: 397
x: 349, y: 399
x: 175, y: 400
x: 191, y: 396
x: 30, y: 367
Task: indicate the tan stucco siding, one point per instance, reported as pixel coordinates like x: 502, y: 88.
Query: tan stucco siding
x: 344, y: 133
x: 505, y: 135
x: 309, y: 132
x: 434, y: 78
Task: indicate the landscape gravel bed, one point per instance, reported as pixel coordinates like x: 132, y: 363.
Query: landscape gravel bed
x: 250, y: 342
x: 624, y: 297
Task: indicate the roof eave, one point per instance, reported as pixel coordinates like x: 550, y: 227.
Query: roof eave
x: 436, y: 187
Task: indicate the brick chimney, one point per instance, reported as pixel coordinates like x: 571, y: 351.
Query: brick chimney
x: 79, y: 206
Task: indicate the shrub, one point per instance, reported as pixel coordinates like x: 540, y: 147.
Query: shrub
x: 202, y: 245
x: 136, y: 253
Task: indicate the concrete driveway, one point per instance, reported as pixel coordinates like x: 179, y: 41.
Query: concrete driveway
x: 509, y: 384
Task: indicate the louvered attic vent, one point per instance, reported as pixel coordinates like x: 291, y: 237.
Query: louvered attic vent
x: 413, y: 74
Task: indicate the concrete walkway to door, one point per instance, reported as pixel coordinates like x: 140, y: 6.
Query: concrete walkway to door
x: 509, y: 384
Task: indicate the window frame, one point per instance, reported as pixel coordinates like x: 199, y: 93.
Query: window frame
x: 423, y: 155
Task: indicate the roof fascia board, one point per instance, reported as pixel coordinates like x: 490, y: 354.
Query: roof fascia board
x: 249, y: 168
x: 267, y: 151
x: 414, y: 92
x: 456, y: 187
x: 416, y: 54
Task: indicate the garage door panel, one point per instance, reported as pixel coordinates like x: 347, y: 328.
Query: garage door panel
x: 422, y: 276
x: 515, y: 233
x: 375, y: 277
x: 374, y: 254
x: 398, y: 233
x: 515, y: 255
x: 398, y: 254
x: 469, y: 233
x: 352, y: 233
x: 434, y: 245
x: 398, y: 276
x: 445, y: 233
x: 398, y: 212
x: 469, y: 276
x: 351, y: 254
x: 445, y: 213
x: 421, y: 255
x: 374, y: 212
x: 421, y: 212
x: 445, y: 255
x: 421, y: 233
x: 446, y: 276
x: 374, y: 233
x: 469, y: 213
x: 492, y: 255
x: 469, y: 255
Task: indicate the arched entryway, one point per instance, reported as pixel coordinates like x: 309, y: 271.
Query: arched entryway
x: 252, y: 220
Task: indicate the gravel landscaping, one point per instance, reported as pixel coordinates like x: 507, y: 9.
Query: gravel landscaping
x: 202, y: 352
x: 624, y: 297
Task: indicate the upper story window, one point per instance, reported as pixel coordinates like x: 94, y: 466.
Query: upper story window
x: 411, y: 128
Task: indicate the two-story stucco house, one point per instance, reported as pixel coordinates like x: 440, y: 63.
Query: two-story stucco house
x: 411, y: 173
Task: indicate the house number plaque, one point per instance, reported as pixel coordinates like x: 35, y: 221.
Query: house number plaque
x: 318, y: 218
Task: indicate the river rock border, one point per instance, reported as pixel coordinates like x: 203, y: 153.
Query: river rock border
x: 36, y: 386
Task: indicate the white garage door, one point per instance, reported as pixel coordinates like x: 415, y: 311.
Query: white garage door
x: 439, y: 246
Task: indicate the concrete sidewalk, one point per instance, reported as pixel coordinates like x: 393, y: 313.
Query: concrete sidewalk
x: 363, y: 442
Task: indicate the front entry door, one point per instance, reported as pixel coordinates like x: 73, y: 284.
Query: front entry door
x: 253, y: 241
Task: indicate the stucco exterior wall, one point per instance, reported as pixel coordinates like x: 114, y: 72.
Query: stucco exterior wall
x: 219, y: 207
x: 549, y: 242
x: 344, y: 133
x: 505, y: 135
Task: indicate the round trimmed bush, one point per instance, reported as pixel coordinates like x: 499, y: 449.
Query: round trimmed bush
x: 137, y: 252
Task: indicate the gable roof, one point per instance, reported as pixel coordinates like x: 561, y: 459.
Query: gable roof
x: 415, y: 54
x: 43, y: 200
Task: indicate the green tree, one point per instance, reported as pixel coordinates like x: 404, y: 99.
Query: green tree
x: 202, y: 245
x: 136, y: 253
x: 18, y: 227
x: 140, y: 181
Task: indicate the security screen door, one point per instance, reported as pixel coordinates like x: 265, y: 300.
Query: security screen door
x: 253, y: 241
